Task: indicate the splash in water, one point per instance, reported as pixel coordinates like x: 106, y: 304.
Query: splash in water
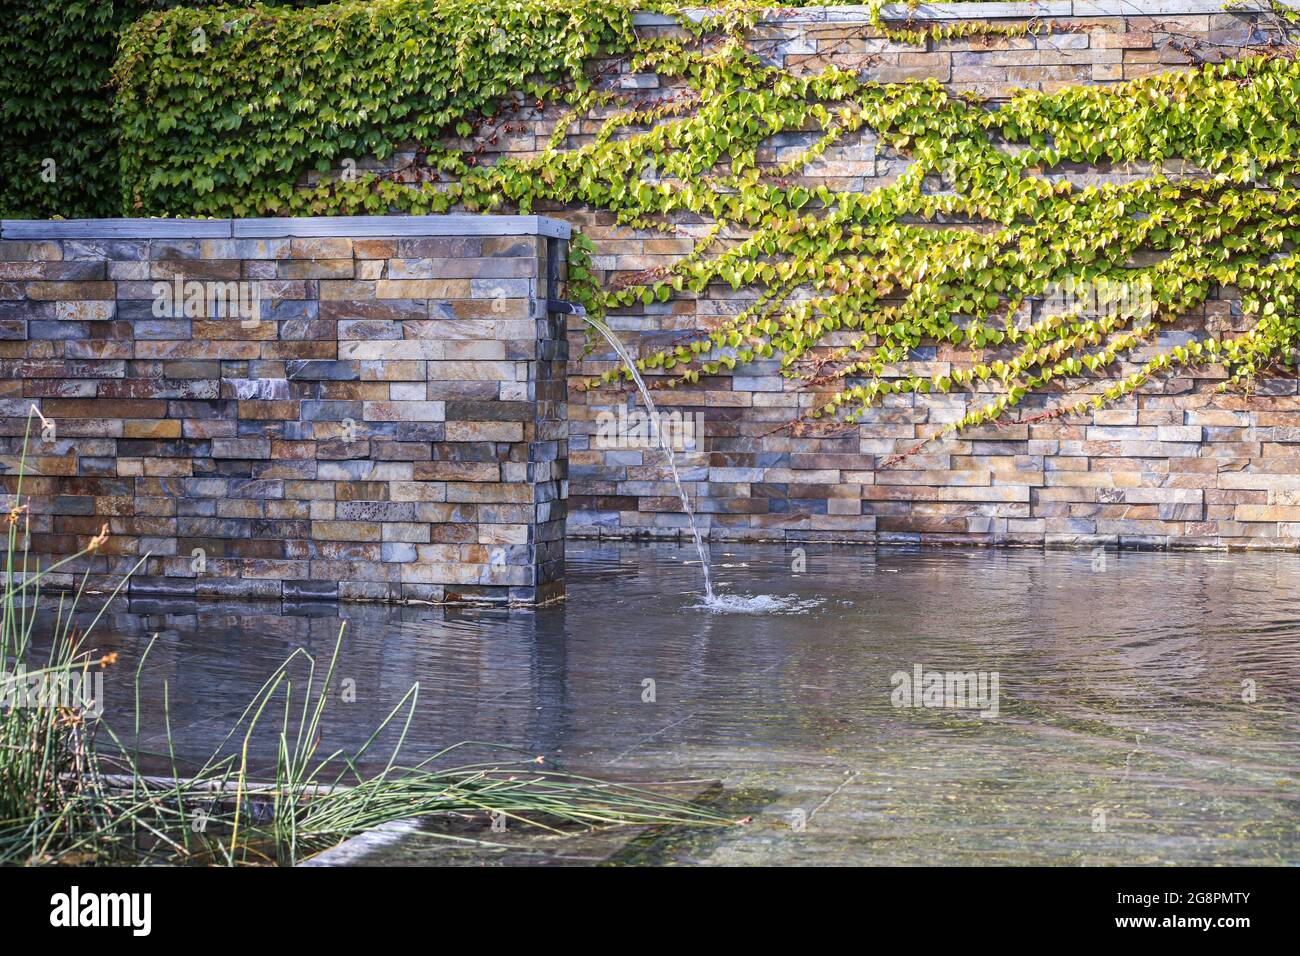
x: 623, y: 353
x: 757, y: 604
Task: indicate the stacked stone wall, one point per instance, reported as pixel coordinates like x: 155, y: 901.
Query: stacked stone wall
x: 1180, y: 464
x: 365, y: 408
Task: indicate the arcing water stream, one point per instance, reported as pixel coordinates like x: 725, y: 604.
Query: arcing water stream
x: 666, y: 445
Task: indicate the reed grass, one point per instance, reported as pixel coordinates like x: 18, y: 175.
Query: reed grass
x: 72, y: 791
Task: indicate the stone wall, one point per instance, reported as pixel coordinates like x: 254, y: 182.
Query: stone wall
x: 370, y: 408
x: 1179, y: 465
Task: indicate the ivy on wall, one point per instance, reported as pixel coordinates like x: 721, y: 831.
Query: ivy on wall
x: 221, y: 110
x: 949, y: 252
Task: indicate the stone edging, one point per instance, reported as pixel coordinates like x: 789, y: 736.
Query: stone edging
x: 309, y: 226
x: 991, y: 11
x: 355, y: 849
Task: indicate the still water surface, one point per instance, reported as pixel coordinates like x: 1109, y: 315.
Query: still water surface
x: 1125, y: 729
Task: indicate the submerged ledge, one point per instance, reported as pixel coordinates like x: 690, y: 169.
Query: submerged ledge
x: 929, y: 541
x: 987, y: 11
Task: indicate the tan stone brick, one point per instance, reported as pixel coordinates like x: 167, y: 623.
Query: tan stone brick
x: 1267, y: 513
x: 48, y: 291
x: 315, y: 269
x: 321, y: 248
x: 422, y: 289
x: 374, y: 248
x: 457, y: 471
x: 151, y: 428
x: 346, y: 530
x: 484, y: 431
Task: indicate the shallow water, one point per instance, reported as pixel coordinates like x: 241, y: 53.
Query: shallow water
x: 1121, y: 733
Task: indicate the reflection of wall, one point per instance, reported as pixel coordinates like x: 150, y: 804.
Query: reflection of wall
x: 490, y: 678
x: 1146, y: 638
x: 372, y: 408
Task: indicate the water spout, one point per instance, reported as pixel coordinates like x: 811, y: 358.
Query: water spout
x: 666, y: 445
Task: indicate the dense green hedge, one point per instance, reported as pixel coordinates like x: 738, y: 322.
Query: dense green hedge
x: 56, y: 103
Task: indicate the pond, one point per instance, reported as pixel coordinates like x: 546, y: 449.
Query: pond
x: 1132, y: 707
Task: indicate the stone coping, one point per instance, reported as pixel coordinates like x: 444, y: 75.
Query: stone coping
x: 1017, y: 9
x: 307, y: 226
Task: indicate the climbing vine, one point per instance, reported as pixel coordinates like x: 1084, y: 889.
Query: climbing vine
x: 846, y: 285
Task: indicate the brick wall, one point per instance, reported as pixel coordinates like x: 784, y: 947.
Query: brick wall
x: 366, y: 409
x: 1179, y: 465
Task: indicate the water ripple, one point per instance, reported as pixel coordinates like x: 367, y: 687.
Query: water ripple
x: 1156, y: 692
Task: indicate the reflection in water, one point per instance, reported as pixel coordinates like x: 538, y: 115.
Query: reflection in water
x: 1122, y: 735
